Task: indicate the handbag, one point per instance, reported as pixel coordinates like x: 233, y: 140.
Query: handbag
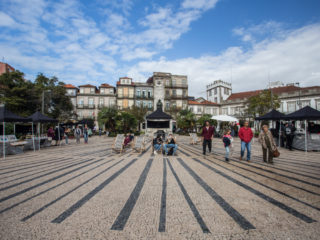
x: 276, y: 153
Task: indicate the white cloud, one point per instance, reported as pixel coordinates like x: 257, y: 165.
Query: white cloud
x: 199, y: 4
x: 293, y: 58
x: 6, y: 20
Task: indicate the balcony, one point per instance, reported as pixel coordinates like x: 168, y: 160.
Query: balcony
x: 83, y: 106
x: 173, y: 96
x: 144, y: 97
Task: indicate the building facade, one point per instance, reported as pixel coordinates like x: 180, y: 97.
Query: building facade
x: 200, y: 107
x: 5, y: 68
x: 291, y: 96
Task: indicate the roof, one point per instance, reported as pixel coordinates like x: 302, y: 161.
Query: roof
x: 8, y: 116
x: 106, y: 85
x: 205, y: 102
x: 70, y: 86
x: 306, y: 113
x: 150, y: 80
x: 39, y: 117
x: 158, y: 114
x: 87, y: 85
x: 272, y: 115
x: 276, y: 90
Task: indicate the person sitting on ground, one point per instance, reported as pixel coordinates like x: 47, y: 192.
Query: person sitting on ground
x: 157, y: 143
x: 267, y: 143
x: 227, y: 139
x: 171, y: 143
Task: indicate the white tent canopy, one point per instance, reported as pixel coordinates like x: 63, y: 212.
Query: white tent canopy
x: 224, y: 118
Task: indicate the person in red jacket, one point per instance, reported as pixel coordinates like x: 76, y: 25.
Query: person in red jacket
x: 246, y: 135
x: 207, y: 135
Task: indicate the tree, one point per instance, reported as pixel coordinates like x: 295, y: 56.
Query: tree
x: 139, y: 113
x: 204, y: 118
x: 262, y: 103
x: 186, y: 119
x: 25, y: 97
x: 125, y: 122
x: 108, y: 117
x: 173, y: 111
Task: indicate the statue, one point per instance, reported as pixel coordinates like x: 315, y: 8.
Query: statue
x: 159, y: 105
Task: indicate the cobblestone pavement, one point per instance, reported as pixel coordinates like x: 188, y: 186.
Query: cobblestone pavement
x: 88, y: 192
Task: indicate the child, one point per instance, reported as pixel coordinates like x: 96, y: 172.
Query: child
x: 227, y: 139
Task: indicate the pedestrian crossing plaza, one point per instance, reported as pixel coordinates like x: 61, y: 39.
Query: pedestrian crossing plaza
x: 87, y: 191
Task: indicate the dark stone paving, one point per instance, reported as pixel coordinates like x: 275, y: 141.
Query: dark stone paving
x: 89, y: 192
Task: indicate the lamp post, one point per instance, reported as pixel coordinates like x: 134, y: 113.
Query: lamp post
x: 299, y: 102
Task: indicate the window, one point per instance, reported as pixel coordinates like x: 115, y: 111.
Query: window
x: 318, y: 104
x: 291, y: 106
x: 215, y: 111
x: 199, y: 110
x: 215, y: 91
x: 174, y: 92
x: 167, y: 105
x: 101, y: 90
x: 79, y: 113
x: 184, y: 82
x: 305, y: 103
x: 191, y: 109
x: 150, y: 105
x: 91, y: 90
x: 81, y: 90
x: 125, y: 103
x: 91, y: 102
x: 184, y: 106
x: 138, y: 103
x: 167, y: 82
x: 111, y: 90
x: 120, y: 92
x: 138, y: 93
x: 225, y: 111
x: 144, y: 104
x: 101, y: 101
x: 226, y: 91
x: 143, y: 93
x: 125, y: 92
x: 149, y: 93
x: 167, y: 93
x: 208, y: 110
x: 173, y: 82
x: 184, y: 93
x: 210, y: 93
x: 80, y: 101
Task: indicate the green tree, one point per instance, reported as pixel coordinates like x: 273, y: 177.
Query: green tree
x: 125, y: 122
x: 25, y: 97
x: 262, y: 103
x: 139, y: 113
x: 204, y: 118
x: 108, y: 117
x: 174, y: 111
x: 186, y: 119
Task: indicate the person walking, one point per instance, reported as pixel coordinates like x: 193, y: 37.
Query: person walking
x: 267, y: 143
x: 227, y: 140
x: 289, y: 131
x: 77, y: 134
x: 245, y: 135
x: 207, y: 136
x: 66, y: 134
x: 85, y: 133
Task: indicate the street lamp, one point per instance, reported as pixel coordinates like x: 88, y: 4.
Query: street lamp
x: 299, y: 102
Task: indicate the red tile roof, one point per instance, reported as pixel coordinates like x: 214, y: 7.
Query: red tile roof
x: 205, y: 102
x: 106, y: 85
x: 276, y: 90
x: 87, y: 85
x: 70, y: 86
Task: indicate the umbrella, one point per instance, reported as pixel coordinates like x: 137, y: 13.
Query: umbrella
x: 38, y: 117
x: 225, y: 118
x: 7, y: 116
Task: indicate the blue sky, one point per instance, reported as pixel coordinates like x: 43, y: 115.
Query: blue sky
x: 99, y: 41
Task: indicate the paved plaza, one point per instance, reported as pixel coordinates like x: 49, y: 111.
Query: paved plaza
x: 89, y: 192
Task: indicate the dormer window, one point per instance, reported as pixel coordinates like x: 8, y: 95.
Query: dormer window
x: 101, y: 90
x: 91, y: 90
x: 81, y: 90
x: 111, y: 90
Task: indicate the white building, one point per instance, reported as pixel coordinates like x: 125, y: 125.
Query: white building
x: 218, y: 91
